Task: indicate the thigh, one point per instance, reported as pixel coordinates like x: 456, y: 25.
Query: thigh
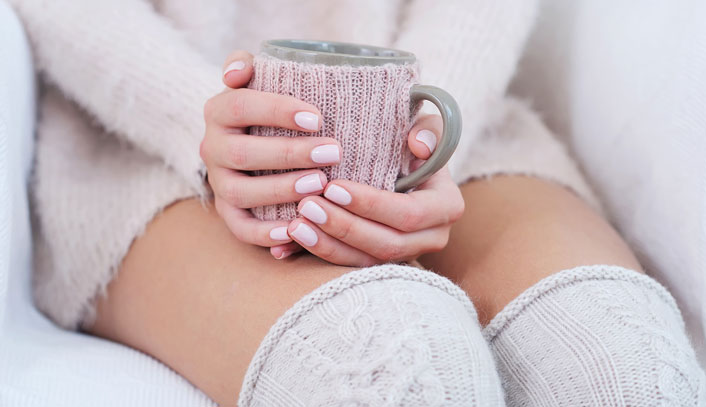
x: 191, y: 295
x: 517, y: 230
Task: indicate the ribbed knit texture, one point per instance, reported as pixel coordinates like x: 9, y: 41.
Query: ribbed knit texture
x: 365, y: 108
x: 382, y: 336
x: 126, y: 81
x: 595, y: 336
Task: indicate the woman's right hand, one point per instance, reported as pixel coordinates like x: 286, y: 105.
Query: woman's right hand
x: 227, y: 150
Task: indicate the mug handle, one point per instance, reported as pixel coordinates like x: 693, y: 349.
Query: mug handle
x: 450, y: 136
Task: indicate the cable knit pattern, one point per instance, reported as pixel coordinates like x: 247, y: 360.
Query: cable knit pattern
x: 366, y: 108
x: 595, y: 335
x: 383, y: 336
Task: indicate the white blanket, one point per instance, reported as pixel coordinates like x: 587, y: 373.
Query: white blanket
x: 41, y: 365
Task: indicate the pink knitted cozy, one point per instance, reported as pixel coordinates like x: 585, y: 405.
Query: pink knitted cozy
x: 366, y: 108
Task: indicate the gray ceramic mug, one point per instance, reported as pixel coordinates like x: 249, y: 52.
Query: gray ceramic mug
x: 356, y: 55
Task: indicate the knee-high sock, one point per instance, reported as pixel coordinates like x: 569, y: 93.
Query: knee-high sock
x: 382, y: 336
x: 595, y: 336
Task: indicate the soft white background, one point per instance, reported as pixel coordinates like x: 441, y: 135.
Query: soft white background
x: 623, y: 81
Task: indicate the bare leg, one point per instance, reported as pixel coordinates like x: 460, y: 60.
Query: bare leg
x: 191, y: 295
x: 518, y: 230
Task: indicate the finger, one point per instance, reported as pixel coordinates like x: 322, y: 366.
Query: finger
x: 425, y: 134
x: 237, y: 69
x: 243, y: 191
x: 324, y: 246
x: 285, y: 250
x: 375, y: 239
x: 248, y: 229
x: 248, y: 153
x: 247, y: 107
x: 436, y: 202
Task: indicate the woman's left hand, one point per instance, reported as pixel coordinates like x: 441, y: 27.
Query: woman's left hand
x: 359, y: 225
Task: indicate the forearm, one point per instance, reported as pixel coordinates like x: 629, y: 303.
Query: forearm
x: 124, y: 64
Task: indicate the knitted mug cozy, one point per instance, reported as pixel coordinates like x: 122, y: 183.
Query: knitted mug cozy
x: 365, y: 108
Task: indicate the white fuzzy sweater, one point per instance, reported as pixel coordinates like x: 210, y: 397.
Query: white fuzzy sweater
x: 125, y: 82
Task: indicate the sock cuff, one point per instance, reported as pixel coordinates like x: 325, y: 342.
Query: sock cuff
x: 330, y: 290
x: 569, y: 277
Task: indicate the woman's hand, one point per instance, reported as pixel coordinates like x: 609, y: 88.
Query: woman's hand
x: 358, y: 225
x: 228, y: 150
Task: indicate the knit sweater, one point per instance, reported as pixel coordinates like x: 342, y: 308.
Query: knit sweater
x: 125, y: 81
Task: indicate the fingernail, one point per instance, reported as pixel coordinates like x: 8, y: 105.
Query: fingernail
x: 279, y: 233
x: 312, y: 211
x: 307, y: 120
x: 428, y: 138
x: 327, y: 154
x: 305, y: 235
x: 284, y: 255
x: 336, y: 194
x: 308, y: 183
x: 234, y: 66
x: 279, y: 253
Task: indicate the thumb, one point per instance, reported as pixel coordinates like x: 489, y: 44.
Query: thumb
x: 424, y: 136
x: 237, y: 69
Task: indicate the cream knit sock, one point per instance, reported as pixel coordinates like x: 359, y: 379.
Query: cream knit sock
x: 595, y: 336
x: 382, y: 336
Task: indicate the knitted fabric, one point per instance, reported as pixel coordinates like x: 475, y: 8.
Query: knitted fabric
x: 383, y: 336
x: 366, y: 108
x: 598, y: 336
x: 121, y: 123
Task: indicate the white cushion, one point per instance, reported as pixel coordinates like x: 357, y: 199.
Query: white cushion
x: 41, y: 365
x: 625, y: 83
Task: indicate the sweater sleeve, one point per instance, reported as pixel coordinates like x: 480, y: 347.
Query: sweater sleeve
x: 471, y: 49
x: 125, y: 65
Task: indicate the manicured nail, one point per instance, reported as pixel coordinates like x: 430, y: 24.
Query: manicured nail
x: 336, y: 194
x: 284, y: 255
x: 234, y: 66
x: 279, y: 233
x: 305, y: 235
x: 428, y: 138
x: 313, y: 212
x: 307, y: 120
x: 328, y: 154
x: 279, y: 253
x: 308, y: 184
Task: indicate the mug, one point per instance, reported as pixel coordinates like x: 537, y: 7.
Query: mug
x: 368, y: 97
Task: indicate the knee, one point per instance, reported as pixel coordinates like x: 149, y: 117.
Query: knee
x: 596, y: 333
x: 385, y: 335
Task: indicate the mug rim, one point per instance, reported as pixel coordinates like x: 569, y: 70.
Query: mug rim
x: 305, y: 51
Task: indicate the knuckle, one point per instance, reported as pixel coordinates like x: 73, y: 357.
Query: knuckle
x: 367, y: 206
x: 440, y: 243
x: 280, y: 192
x: 412, y: 219
x: 238, y: 153
x: 218, y: 203
x: 457, y: 209
x: 238, y: 107
x: 327, y: 251
x: 391, y: 250
x: 202, y: 149
x: 288, y: 153
x: 277, y: 109
x: 342, y: 229
x: 209, y: 109
x: 233, y: 194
